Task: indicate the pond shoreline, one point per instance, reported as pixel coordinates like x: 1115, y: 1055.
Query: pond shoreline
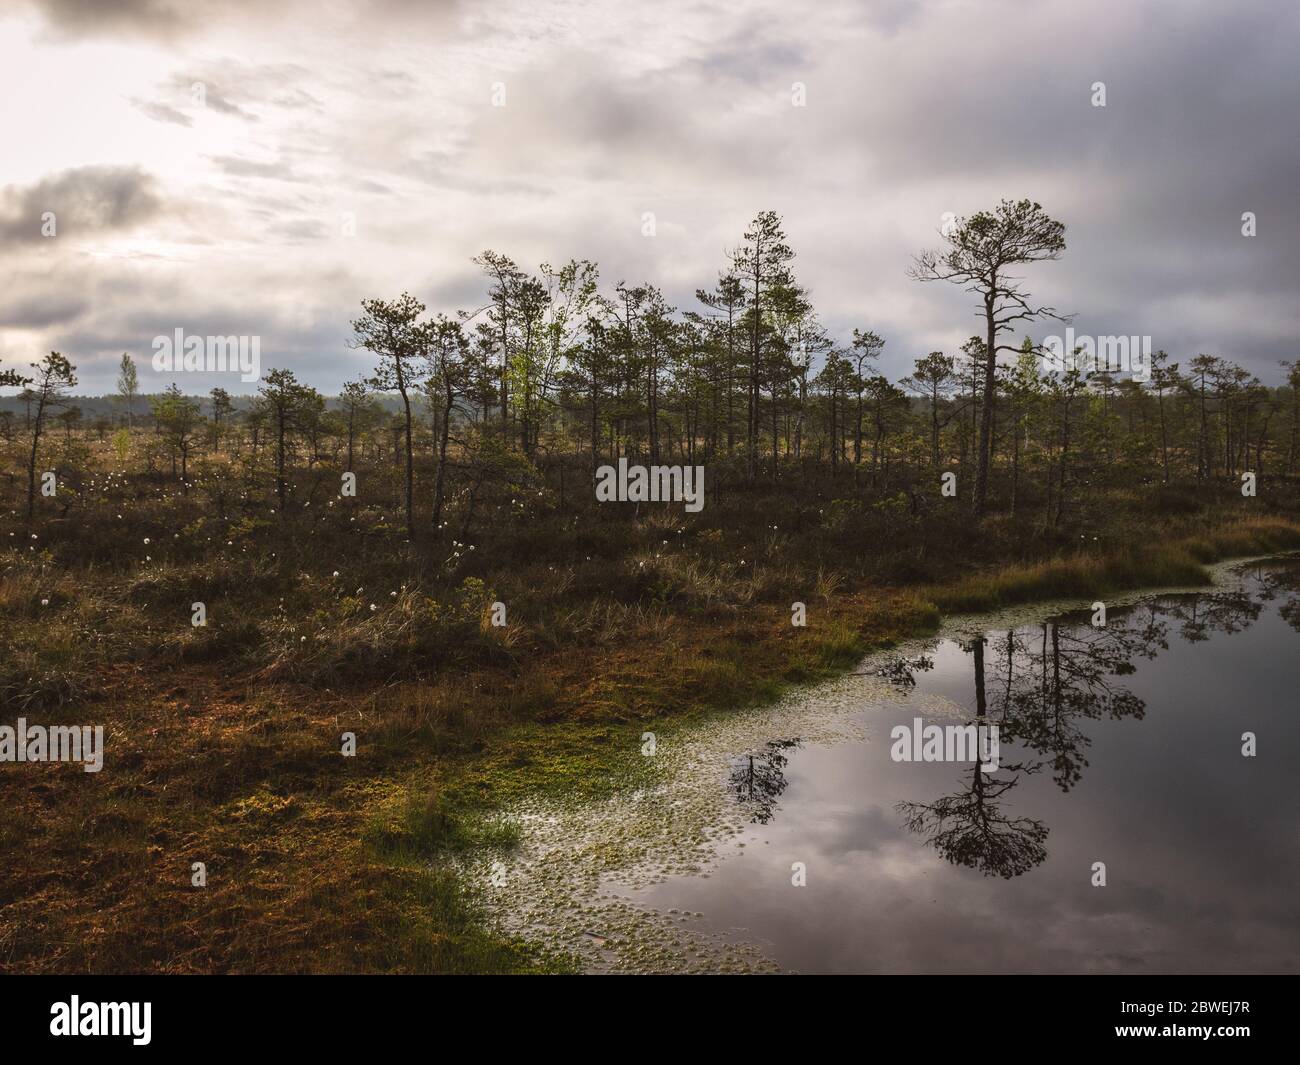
x: 555, y: 888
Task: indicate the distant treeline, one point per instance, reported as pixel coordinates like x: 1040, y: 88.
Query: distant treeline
x: 554, y: 368
x: 113, y: 408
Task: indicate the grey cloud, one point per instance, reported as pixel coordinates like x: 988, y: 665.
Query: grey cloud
x: 237, y: 166
x: 297, y: 98
x: 285, y: 340
x: 108, y: 18
x: 161, y: 112
x: 177, y: 19
x: 215, y: 92
x: 301, y: 230
x: 84, y: 200
x: 222, y: 105
x: 37, y: 310
x: 367, y: 185
x: 158, y: 20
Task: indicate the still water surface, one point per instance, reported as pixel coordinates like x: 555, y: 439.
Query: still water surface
x: 1120, y: 745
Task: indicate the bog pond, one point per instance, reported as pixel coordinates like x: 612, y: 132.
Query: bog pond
x: 1157, y: 752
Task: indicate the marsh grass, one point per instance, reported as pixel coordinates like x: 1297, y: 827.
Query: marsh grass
x: 1179, y: 563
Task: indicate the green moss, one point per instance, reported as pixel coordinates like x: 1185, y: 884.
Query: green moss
x: 443, y: 929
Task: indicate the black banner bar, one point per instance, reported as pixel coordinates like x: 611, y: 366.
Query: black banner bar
x: 1224, y: 1014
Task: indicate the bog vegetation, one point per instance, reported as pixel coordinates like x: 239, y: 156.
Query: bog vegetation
x: 473, y: 436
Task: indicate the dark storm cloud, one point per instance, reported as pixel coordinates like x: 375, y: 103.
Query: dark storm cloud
x: 84, y: 200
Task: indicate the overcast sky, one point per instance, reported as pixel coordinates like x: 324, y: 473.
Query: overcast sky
x: 228, y: 215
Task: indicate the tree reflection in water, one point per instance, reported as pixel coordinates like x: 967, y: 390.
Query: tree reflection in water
x: 1281, y: 584
x: 758, y: 778
x: 1046, y: 684
x: 1041, y: 686
x: 901, y: 671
